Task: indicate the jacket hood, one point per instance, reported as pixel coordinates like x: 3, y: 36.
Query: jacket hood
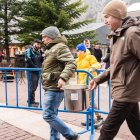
x: 59, y: 39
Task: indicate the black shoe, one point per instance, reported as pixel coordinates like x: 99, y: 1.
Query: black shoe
x: 84, y: 123
x: 98, y: 123
x: 34, y: 104
x: 76, y: 137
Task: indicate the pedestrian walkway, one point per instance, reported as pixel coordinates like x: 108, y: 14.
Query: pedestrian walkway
x: 31, y: 123
x: 18, y: 124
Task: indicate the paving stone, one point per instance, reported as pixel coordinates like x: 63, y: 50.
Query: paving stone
x: 10, y: 132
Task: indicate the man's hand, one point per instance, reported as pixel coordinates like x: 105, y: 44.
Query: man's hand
x: 61, y: 83
x: 92, y: 69
x: 92, y: 85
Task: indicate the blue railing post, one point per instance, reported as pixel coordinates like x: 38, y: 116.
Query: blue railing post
x: 16, y: 88
x: 109, y: 93
x: 90, y: 110
x: 40, y: 90
x: 5, y: 80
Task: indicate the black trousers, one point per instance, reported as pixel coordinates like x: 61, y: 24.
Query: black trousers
x: 120, y: 112
x: 33, y: 79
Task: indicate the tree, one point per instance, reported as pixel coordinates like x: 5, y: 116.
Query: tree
x: 39, y: 14
x: 9, y: 12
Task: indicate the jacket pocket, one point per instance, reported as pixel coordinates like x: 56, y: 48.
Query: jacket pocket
x: 54, y: 76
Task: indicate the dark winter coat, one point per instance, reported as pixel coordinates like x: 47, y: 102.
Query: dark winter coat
x: 33, y: 58
x: 107, y: 59
x: 124, y: 70
x: 96, y: 52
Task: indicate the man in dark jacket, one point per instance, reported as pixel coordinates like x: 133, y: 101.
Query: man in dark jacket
x: 33, y: 59
x: 124, y: 71
x: 96, y: 51
x: 58, y: 66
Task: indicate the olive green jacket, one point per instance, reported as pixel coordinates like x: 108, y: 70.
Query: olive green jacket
x: 58, y: 63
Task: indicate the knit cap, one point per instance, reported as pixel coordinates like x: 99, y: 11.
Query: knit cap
x: 116, y: 8
x: 81, y: 47
x: 51, y: 32
x: 37, y: 41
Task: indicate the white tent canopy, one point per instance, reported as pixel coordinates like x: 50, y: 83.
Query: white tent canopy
x: 134, y: 10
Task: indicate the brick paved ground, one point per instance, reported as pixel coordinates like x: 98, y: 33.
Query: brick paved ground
x: 10, y: 132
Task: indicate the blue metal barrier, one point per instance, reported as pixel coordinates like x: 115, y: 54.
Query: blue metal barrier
x: 88, y: 112
x: 17, y: 81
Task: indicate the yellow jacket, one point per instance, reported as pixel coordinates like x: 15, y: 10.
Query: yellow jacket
x: 85, y: 62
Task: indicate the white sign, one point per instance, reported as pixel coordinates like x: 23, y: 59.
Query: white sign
x: 74, y: 96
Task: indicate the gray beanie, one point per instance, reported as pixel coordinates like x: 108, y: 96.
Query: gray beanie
x: 51, y: 32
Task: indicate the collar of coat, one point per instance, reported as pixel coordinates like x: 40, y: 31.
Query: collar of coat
x: 128, y: 22
x: 57, y: 40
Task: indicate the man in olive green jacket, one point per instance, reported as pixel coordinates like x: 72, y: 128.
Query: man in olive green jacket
x: 58, y: 67
x: 124, y: 71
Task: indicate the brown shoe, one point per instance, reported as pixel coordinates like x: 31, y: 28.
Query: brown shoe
x: 89, y: 123
x: 98, y: 123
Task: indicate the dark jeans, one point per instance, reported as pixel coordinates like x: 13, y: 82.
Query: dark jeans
x: 33, y: 78
x: 120, y: 112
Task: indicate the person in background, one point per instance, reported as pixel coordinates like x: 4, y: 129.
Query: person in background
x: 106, y: 60
x: 97, y: 52
x: 58, y: 67
x: 124, y: 72
x: 89, y: 63
x: 93, y: 50
x: 18, y: 51
x: 33, y: 59
x: 86, y: 42
x: 0, y: 58
x: 3, y: 54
